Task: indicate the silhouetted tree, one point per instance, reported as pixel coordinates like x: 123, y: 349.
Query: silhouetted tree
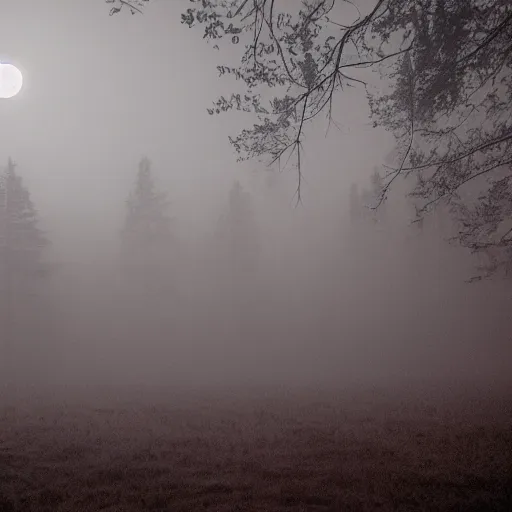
x: 146, y: 236
x: 22, y: 244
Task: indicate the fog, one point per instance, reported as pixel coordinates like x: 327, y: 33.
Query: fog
x: 252, y: 290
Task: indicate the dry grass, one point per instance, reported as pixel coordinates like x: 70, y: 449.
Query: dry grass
x: 266, y: 455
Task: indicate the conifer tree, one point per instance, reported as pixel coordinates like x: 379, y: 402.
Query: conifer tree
x: 146, y: 236
x: 22, y: 244
x: 238, y: 280
x: 21, y: 240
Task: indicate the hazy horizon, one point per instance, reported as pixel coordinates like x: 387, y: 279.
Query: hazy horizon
x: 332, y: 300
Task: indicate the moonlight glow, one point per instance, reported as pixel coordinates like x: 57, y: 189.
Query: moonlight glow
x: 11, y: 80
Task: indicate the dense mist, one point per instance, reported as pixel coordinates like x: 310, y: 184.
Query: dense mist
x: 266, y: 295
x: 255, y: 255
x: 244, y: 287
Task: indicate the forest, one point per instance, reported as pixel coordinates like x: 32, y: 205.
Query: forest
x: 265, y: 288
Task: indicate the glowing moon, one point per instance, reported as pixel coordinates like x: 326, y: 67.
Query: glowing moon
x: 11, y: 80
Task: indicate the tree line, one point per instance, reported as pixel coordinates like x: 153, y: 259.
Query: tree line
x: 146, y: 241
x: 239, y: 295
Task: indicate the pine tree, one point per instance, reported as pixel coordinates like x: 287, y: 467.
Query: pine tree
x: 21, y: 251
x: 237, y: 245
x: 146, y: 236
x: 21, y: 241
x: 238, y: 281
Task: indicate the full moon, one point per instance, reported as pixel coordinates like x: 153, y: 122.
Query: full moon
x: 11, y: 80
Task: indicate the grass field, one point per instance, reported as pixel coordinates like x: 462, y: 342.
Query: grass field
x: 267, y: 453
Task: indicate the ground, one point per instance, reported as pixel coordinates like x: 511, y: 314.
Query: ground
x: 277, y: 452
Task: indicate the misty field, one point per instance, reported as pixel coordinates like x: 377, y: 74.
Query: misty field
x: 282, y: 452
